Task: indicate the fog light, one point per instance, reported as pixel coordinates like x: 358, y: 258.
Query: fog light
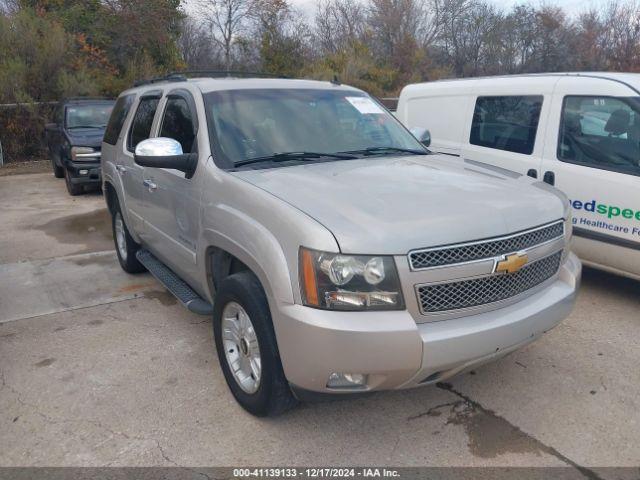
x: 83, y: 172
x: 347, y: 380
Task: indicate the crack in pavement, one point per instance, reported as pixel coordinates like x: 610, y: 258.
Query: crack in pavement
x: 172, y: 462
x: 432, y: 411
x: 586, y: 472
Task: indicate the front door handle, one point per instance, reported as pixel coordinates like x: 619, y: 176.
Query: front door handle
x: 549, y: 177
x: 533, y: 173
x: 150, y: 185
x: 121, y: 169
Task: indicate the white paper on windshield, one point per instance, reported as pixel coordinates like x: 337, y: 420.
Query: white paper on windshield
x: 364, y: 105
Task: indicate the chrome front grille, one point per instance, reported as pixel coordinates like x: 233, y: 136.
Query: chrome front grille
x: 460, y: 253
x: 443, y: 297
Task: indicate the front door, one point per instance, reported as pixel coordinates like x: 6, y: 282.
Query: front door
x: 172, y: 209
x: 130, y: 172
x: 594, y: 157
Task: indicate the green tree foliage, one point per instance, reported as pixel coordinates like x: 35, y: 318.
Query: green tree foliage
x: 55, y: 48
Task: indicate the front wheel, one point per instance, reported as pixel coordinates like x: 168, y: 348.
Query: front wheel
x: 126, y: 246
x: 247, y: 348
x: 72, y: 188
x: 58, y: 172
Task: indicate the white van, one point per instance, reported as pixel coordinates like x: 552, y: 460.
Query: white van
x: 577, y: 131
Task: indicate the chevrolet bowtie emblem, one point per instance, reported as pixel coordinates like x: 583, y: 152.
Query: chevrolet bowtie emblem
x: 511, y: 263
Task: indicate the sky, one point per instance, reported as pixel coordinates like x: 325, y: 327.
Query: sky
x: 572, y: 7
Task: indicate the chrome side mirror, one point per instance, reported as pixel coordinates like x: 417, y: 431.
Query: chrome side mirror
x: 422, y: 135
x: 164, y: 152
x: 158, y: 147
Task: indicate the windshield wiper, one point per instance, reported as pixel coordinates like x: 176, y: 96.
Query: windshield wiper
x: 377, y: 150
x: 304, y: 156
x: 86, y: 126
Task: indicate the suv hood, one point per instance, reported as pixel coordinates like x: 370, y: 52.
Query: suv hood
x: 86, y: 137
x: 391, y: 205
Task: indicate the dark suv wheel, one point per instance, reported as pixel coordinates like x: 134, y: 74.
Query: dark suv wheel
x: 58, y: 172
x: 72, y: 188
x: 247, y: 348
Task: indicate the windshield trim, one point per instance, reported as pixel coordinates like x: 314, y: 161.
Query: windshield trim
x: 224, y: 163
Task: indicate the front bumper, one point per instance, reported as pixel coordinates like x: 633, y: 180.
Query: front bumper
x: 396, y: 352
x: 84, y: 173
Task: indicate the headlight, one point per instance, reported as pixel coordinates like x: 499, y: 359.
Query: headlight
x: 79, y: 153
x: 335, y: 281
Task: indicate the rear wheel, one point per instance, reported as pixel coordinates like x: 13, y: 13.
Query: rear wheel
x: 72, y: 188
x: 247, y: 348
x: 126, y: 246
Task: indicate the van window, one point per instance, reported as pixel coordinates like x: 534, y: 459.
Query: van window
x: 118, y: 116
x: 178, y: 123
x: 141, y: 125
x: 506, y: 123
x: 601, y: 132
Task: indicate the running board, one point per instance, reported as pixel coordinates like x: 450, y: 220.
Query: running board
x: 174, y: 283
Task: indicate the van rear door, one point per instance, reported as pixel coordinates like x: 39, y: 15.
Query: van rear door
x: 593, y: 155
x: 507, y: 124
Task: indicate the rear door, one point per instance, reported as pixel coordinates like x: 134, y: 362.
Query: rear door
x: 130, y: 172
x: 172, y: 202
x: 507, y: 124
x: 593, y: 155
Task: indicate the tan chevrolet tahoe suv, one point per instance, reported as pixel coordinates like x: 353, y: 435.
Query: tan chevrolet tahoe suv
x: 333, y: 251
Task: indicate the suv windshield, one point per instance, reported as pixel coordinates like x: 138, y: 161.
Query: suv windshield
x: 88, y: 116
x: 250, y: 126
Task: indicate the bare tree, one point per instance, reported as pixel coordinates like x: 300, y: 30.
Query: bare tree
x: 469, y: 28
x: 196, y: 47
x: 622, y: 24
x: 338, y: 24
x: 226, y: 20
x: 393, y: 22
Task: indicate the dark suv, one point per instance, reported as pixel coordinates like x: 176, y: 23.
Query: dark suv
x: 74, y: 141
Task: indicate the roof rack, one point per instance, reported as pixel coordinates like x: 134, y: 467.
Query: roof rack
x: 183, y: 75
x: 229, y: 73
x: 171, y: 77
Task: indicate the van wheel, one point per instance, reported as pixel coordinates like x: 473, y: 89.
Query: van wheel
x: 247, y: 348
x: 72, y: 188
x: 126, y: 246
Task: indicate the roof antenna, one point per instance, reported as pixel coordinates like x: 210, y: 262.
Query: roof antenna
x: 335, y: 80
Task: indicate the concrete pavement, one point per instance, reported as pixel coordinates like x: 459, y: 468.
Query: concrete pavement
x: 98, y: 367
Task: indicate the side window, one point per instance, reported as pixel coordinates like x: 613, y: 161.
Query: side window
x: 141, y: 125
x: 118, y: 116
x: 177, y: 123
x: 506, y: 123
x: 601, y: 132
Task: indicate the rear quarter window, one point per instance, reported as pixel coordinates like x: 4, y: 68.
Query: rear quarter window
x: 118, y: 116
x: 506, y: 123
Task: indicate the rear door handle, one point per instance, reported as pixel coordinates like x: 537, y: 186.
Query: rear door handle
x: 121, y: 169
x: 150, y: 185
x: 549, y: 177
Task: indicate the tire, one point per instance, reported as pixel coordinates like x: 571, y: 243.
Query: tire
x: 126, y: 246
x: 72, y: 188
x: 271, y: 395
x: 58, y: 172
